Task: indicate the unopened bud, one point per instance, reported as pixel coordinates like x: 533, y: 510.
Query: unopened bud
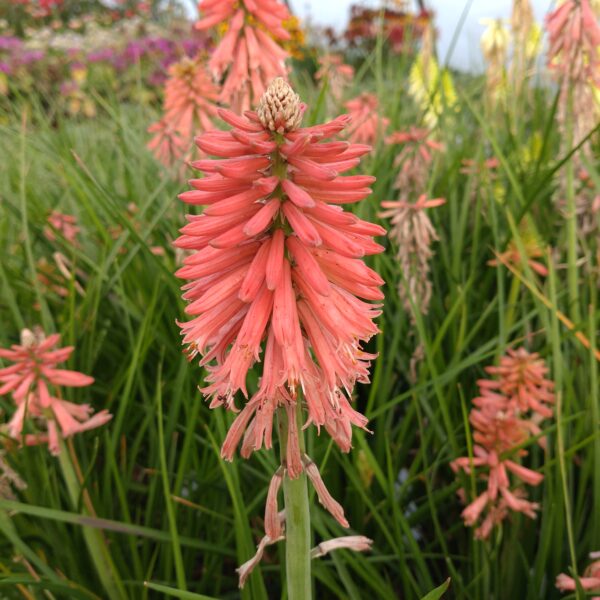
x: 29, y: 338
x: 279, y: 108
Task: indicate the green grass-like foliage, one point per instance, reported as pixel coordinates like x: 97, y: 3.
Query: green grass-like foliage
x: 166, y: 503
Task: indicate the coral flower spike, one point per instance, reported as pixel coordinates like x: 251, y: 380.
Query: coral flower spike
x: 34, y: 382
x: 250, y: 55
x: 508, y: 411
x: 189, y: 107
x: 276, y: 277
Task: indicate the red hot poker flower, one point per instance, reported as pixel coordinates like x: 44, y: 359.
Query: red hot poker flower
x: 522, y: 380
x: 367, y: 126
x: 276, y: 276
x: 189, y: 106
x: 32, y: 379
x: 63, y: 225
x: 249, y: 53
x: 590, y: 581
x: 504, y: 417
x: 574, y: 39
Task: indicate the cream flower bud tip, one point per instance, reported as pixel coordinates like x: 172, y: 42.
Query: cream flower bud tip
x: 279, y: 108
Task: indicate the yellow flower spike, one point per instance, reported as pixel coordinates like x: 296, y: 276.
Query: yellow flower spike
x: 431, y: 88
x: 495, y: 41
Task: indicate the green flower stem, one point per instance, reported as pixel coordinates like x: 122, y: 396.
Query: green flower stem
x: 94, y: 538
x: 572, y: 274
x: 297, y: 520
x: 513, y: 297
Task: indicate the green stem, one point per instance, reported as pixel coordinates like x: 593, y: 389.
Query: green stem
x: 572, y: 275
x: 513, y: 296
x: 560, y: 433
x: 94, y: 539
x: 297, y: 520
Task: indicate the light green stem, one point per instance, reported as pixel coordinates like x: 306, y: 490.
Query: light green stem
x: 297, y: 521
x: 93, y: 537
x: 572, y: 275
x: 513, y: 296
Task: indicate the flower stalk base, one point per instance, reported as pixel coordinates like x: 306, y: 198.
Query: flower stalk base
x: 297, y: 521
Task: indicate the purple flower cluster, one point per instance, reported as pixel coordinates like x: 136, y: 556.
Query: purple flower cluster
x: 154, y: 53
x: 13, y: 54
x: 162, y: 51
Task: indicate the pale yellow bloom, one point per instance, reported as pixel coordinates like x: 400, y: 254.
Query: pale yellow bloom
x: 431, y: 88
x: 495, y: 41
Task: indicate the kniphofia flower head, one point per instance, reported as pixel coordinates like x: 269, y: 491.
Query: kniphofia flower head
x: 189, y: 107
x: 366, y: 125
x: 167, y: 143
x: 512, y: 256
x: 414, y: 159
x: 412, y: 229
x: 35, y: 381
x: 276, y: 278
x: 249, y: 55
x: 337, y: 74
x: 504, y: 416
x: 63, y: 225
x: 574, y: 41
x: 430, y: 86
x: 495, y: 41
x: 414, y: 233
x: 521, y: 378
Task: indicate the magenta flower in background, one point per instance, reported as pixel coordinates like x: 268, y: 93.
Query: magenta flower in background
x: 8, y: 42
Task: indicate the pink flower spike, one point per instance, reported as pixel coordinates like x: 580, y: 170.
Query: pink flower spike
x: 189, y: 105
x: 249, y: 55
x: 367, y: 126
x: 32, y: 380
x: 274, y: 276
x: 65, y: 225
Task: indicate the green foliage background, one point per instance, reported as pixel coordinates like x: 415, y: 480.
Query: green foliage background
x: 165, y: 501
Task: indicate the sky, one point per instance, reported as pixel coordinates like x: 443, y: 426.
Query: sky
x: 466, y: 54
